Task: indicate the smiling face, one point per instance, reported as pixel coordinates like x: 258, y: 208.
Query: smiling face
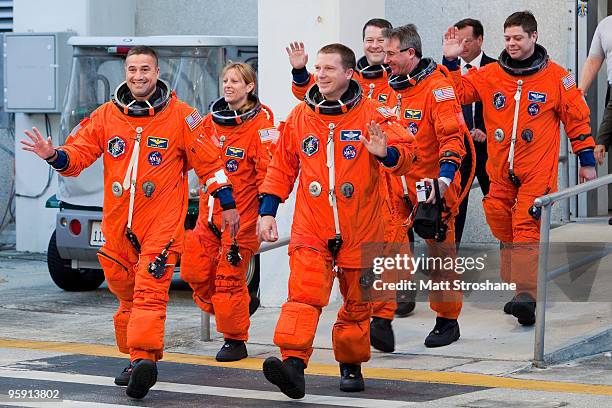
x: 518, y: 43
x: 331, y: 76
x: 400, y: 62
x: 141, y: 74
x: 373, y: 45
x: 235, y: 89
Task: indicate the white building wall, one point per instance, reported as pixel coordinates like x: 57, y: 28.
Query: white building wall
x: 316, y: 23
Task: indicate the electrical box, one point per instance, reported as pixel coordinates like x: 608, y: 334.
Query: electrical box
x: 36, y: 71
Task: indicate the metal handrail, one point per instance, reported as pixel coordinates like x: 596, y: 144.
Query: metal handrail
x: 545, y: 202
x: 205, y: 317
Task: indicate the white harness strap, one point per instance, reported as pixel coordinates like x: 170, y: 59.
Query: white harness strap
x: 211, y: 204
x: 517, y: 100
x: 398, y: 113
x: 398, y: 106
x: 371, y: 90
x: 129, y: 182
x: 332, y: 179
x: 404, y: 185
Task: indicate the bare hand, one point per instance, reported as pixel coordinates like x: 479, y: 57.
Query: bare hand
x: 230, y: 218
x: 266, y: 229
x: 478, y: 135
x: 432, y: 196
x: 587, y: 173
x: 451, y: 46
x: 377, y: 145
x: 41, y: 146
x: 297, y: 55
x: 600, y: 153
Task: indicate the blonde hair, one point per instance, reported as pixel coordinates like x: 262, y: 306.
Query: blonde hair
x: 248, y: 75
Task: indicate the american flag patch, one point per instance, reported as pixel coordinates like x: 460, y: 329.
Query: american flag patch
x: 386, y: 112
x: 269, y: 135
x: 568, y: 81
x: 444, y: 94
x: 193, y: 119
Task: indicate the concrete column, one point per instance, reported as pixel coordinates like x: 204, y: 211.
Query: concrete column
x: 34, y: 223
x: 316, y: 23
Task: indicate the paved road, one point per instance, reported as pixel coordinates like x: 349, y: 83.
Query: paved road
x: 55, y: 340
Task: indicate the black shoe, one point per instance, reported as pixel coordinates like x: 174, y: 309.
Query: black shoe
x: 287, y: 375
x: 381, y: 335
x: 124, y: 378
x: 444, y: 333
x: 405, y: 302
x: 144, y: 376
x: 351, y: 379
x: 523, y: 308
x: 232, y: 350
x: 508, y: 306
x: 253, y: 304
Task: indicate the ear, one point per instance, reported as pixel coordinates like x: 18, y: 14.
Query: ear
x: 349, y: 73
x: 250, y: 87
x: 535, y: 36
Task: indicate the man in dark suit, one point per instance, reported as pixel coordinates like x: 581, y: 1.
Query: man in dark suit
x: 471, y: 33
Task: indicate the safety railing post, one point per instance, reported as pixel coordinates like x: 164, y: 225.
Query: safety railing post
x: 205, y: 327
x: 538, y: 353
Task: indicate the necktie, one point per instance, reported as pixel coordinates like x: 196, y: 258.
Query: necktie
x: 468, y: 110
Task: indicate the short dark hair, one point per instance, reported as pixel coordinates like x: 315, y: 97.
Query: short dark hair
x: 408, y: 37
x: 525, y: 19
x: 476, y: 25
x: 375, y: 22
x: 143, y: 49
x: 346, y: 54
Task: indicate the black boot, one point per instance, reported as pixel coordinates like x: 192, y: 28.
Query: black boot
x: 144, y: 376
x: 444, y: 333
x: 124, y: 378
x: 508, y: 305
x: 287, y: 375
x: 253, y: 304
x: 232, y: 350
x: 351, y: 379
x: 405, y: 302
x: 523, y: 308
x: 381, y: 335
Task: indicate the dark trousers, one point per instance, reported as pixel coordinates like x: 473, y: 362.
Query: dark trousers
x: 480, y: 174
x: 604, y: 135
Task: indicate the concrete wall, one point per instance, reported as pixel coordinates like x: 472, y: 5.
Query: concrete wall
x: 201, y: 17
x: 431, y: 21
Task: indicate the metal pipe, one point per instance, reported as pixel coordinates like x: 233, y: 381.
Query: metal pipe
x: 205, y: 327
x: 577, y: 264
x: 572, y: 191
x: 538, y: 352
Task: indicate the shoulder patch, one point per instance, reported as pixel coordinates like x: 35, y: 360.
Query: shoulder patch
x: 268, y: 135
x: 444, y: 94
x: 193, y: 119
x: 568, y: 81
x: 386, y: 112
